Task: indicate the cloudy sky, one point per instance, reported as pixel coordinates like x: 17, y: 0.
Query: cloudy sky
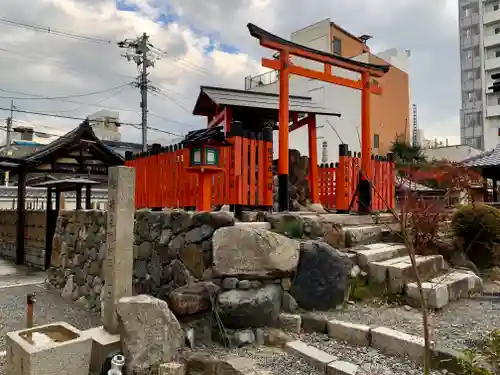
x: 206, y: 42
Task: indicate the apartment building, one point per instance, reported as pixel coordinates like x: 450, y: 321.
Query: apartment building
x: 390, y: 112
x: 479, y: 27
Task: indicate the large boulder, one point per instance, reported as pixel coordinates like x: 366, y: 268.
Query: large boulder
x: 250, y: 308
x: 322, y: 277
x: 192, y: 299
x: 150, y: 333
x: 248, y: 252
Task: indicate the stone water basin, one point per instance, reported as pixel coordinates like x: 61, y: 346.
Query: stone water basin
x: 56, y: 349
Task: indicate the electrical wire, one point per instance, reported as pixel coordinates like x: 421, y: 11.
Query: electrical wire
x: 84, y: 105
x: 53, y: 31
x: 160, y: 92
x: 42, y: 97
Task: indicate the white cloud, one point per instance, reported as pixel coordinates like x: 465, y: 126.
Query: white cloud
x: 51, y: 65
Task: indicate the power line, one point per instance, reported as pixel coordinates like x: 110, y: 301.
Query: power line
x: 42, y: 97
x: 157, y: 91
x: 53, y: 31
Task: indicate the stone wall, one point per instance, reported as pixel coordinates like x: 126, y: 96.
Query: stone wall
x: 34, y: 236
x: 171, y: 249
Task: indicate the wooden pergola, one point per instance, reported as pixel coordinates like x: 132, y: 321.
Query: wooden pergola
x: 75, y: 157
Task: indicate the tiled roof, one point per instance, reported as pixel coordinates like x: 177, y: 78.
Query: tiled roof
x: 490, y: 158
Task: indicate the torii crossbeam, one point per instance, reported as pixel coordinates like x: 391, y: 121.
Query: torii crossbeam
x: 285, y: 67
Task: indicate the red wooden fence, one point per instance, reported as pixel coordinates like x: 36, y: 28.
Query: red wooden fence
x: 163, y: 181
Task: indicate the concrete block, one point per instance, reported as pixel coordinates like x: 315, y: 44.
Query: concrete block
x: 315, y: 357
x: 255, y: 225
x: 436, y: 294
x: 103, y: 344
x: 363, y: 235
x: 312, y: 322
x: 341, y: 368
x: 172, y: 368
x: 378, y: 252
x: 290, y: 322
x: 398, y: 343
x: 34, y: 351
x: 398, y: 271
x: 355, y: 334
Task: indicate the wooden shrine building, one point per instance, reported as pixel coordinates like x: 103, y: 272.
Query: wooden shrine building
x: 75, y: 161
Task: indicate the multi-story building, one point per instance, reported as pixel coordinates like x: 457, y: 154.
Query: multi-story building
x: 479, y: 26
x: 106, y: 125
x: 390, y: 111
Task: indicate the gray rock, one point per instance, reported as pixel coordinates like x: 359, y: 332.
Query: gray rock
x: 89, y: 280
x: 97, y: 289
x: 322, y: 277
x: 192, y: 299
x: 215, y: 220
x: 250, y: 308
x: 79, y: 276
x: 181, y: 221
x: 145, y: 250
x: 165, y: 236
x: 180, y: 274
x: 245, y: 337
x: 192, y: 257
x: 288, y: 224
x: 155, y: 268
x: 175, y: 246
x: 140, y: 269
x: 97, y: 281
x: 289, y: 304
x: 230, y: 283
x: 240, y: 251
x: 150, y: 333
x: 199, y: 234
x: 245, y: 285
x: 68, y: 288
x: 256, y: 284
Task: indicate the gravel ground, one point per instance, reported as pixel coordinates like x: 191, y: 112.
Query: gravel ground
x: 460, y: 325
x: 371, y: 361
x: 268, y: 360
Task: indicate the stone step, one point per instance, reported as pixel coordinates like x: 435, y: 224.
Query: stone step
x: 346, y: 219
x: 378, y: 252
x: 255, y: 225
x: 363, y: 235
x: 441, y: 290
x: 397, y: 272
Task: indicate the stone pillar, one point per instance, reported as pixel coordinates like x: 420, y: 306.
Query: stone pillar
x: 119, y: 261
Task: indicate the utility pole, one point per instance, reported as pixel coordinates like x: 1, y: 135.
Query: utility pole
x: 9, y: 124
x: 139, y: 50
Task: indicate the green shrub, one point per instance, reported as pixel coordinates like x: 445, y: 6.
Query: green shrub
x: 479, y: 227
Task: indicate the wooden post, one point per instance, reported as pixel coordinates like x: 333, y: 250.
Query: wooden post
x: 21, y: 194
x: 88, y: 197
x: 283, y: 131
x: 313, y: 159
x: 79, y: 198
x: 205, y: 192
x: 365, y: 182
x: 120, y: 242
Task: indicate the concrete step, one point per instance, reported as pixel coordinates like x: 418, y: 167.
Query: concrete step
x: 255, y: 225
x: 441, y: 290
x: 377, y: 252
x: 363, y: 235
x: 347, y: 219
x: 397, y: 272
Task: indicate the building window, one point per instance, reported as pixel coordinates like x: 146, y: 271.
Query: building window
x: 467, y: 12
x: 497, y: 30
x: 470, y: 75
x: 376, y: 141
x: 469, y: 55
x: 496, y: 7
x: 470, y: 96
x: 498, y: 101
x: 468, y: 33
x: 337, y: 46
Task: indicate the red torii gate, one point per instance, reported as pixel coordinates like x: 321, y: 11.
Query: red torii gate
x: 285, y: 67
